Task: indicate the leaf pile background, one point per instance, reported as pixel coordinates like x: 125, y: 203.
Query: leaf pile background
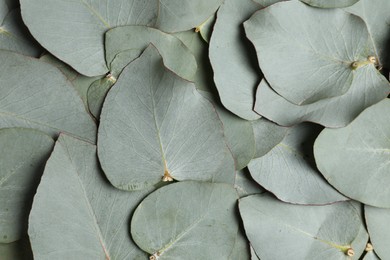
x: 208, y: 129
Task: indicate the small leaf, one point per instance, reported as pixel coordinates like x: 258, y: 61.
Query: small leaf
x: 289, y: 171
x: 156, y: 127
x: 187, y: 220
x: 378, y: 221
x: 245, y: 185
x: 330, y: 3
x: 22, y: 157
x: 206, y: 28
x: 236, y: 75
x: 314, y: 48
x: 76, y: 213
x: 355, y: 159
x: 278, y: 230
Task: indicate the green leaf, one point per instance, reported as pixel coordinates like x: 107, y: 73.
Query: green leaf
x: 187, y: 220
x: 378, y: 221
x: 22, y: 157
x: 330, y: 3
x: 19, y: 250
x: 371, y: 256
x: 241, y: 249
x: 14, y: 35
x: 368, y: 87
x: 314, y: 48
x: 267, y: 135
x: 265, y: 3
x: 37, y: 95
x: 156, y: 127
x: 289, y: 171
x: 278, y: 230
x: 179, y: 15
x: 254, y: 255
x: 355, y: 159
x: 236, y: 74
x: 76, y: 213
x: 245, y: 185
x: 377, y: 17
x: 206, y: 28
x: 73, y: 30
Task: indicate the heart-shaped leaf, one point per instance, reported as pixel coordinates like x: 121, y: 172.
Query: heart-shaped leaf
x: 314, y: 48
x: 156, y: 127
x: 355, y: 159
x: 330, y: 3
x: 187, y: 220
x: 378, y: 225
x: 235, y: 74
x: 73, y: 30
x: 22, y: 157
x: 278, y: 230
x: 37, y: 95
x: 76, y: 213
x: 289, y: 172
x: 368, y: 88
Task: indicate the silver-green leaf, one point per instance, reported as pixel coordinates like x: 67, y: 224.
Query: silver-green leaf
x: 378, y: 225
x: 330, y: 3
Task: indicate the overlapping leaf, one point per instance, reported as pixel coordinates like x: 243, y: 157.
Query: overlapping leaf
x: 22, y: 157
x: 330, y: 3
x: 37, y: 95
x: 278, y: 230
x: 307, y: 54
x: 187, y: 220
x: 245, y: 185
x: 378, y: 221
x: 76, y: 213
x: 155, y: 126
x: 355, y: 159
x: 235, y: 72
x: 289, y: 172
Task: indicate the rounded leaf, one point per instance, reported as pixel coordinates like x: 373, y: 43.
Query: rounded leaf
x: 314, y: 48
x: 187, y: 220
x: 355, y: 159
x: 330, y: 3
x: 378, y: 225
x: 23, y: 155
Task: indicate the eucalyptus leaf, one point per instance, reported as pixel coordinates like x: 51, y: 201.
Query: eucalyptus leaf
x: 3, y: 9
x: 156, y: 127
x: 73, y: 31
x: 377, y: 17
x: 241, y: 249
x: 19, y: 250
x: 314, y: 48
x: 371, y: 256
x: 278, y: 230
x: 265, y: 3
x: 76, y: 213
x: 245, y: 185
x: 267, y: 135
x: 330, y: 3
x: 253, y: 254
x: 236, y: 74
x: 12, y: 4
x: 187, y: 220
x: 289, y: 171
x: 14, y: 35
x: 368, y: 88
x: 179, y: 15
x: 355, y: 159
x: 206, y: 28
x: 378, y: 221
x: 37, y: 95
x: 22, y: 157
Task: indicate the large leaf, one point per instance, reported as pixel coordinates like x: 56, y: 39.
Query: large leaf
x: 73, y: 30
x: 368, y: 88
x: 355, y: 159
x: 182, y: 15
x: 156, y: 127
x: 14, y: 35
x: 37, y: 95
x: 76, y: 213
x: 378, y: 225
x: 278, y: 230
x: 187, y: 220
x: 308, y: 54
x: 289, y: 172
x: 377, y: 17
x: 236, y: 74
x: 22, y: 157
x: 330, y: 3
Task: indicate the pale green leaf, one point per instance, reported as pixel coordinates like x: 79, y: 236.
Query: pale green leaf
x: 22, y: 157
x: 355, y: 159
x: 378, y: 225
x: 330, y: 3
x: 76, y: 213
x: 371, y: 256
x: 187, y: 220
x: 236, y: 74
x: 35, y: 94
x: 305, y: 53
x: 19, y: 250
x: 206, y: 28
x: 245, y: 185
x: 155, y: 126
x: 278, y: 230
